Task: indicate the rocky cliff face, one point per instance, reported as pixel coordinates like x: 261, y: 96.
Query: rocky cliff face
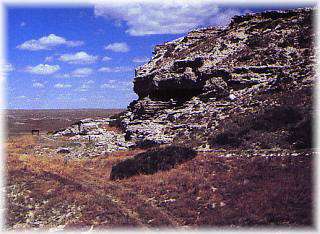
x: 195, y: 83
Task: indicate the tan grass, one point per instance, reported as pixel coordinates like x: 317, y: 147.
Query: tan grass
x: 207, y: 190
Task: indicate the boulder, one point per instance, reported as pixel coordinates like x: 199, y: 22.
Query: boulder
x: 63, y: 151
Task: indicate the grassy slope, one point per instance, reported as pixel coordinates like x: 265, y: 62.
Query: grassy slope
x: 243, y: 189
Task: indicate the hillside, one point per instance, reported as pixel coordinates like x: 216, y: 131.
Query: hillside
x: 195, y: 84
x: 220, y: 136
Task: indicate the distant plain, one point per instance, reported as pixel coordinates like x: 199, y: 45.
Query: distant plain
x: 23, y: 121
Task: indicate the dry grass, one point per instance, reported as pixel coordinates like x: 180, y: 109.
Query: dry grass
x: 217, y: 191
x: 112, y: 128
x: 210, y: 189
x: 74, y: 183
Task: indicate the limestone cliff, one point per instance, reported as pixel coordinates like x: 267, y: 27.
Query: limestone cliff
x: 194, y: 83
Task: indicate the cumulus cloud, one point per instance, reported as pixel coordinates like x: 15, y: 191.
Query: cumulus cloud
x: 106, y: 59
x: 82, y: 72
x: 118, y: 47
x: 85, y: 86
x: 62, y: 86
x: 224, y: 17
x: 140, y: 59
x: 22, y: 97
x: 119, y: 85
x: 89, y: 82
x: 78, y: 58
x: 22, y: 24
x: 48, y: 59
x: 38, y: 85
x: 108, y: 85
x: 47, y: 43
x: 63, y: 75
x: 43, y: 69
x: 64, y: 96
x: 8, y: 68
x: 105, y: 69
x: 164, y: 17
x: 115, y: 69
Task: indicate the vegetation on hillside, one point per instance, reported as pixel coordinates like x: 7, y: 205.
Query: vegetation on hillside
x: 231, y: 189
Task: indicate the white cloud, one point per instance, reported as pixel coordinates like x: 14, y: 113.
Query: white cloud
x: 108, y: 85
x: 118, y: 23
x: 47, y: 43
x: 119, y: 85
x: 48, y: 59
x: 115, y: 69
x: 224, y: 17
x: 22, y: 24
x: 64, y: 97
x: 89, y: 82
x: 38, y: 85
x: 8, y: 68
x: 62, y: 86
x: 106, y: 58
x: 82, y: 72
x: 64, y: 75
x: 74, y: 43
x: 105, y: 69
x: 43, y: 69
x: 118, y: 47
x: 78, y: 58
x: 164, y: 17
x: 85, y: 86
x: 140, y: 59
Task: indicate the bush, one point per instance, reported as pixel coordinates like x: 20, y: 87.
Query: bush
x: 152, y: 161
x: 116, y: 120
x: 255, y: 41
x: 245, y: 130
x: 276, y: 117
x: 144, y: 144
x: 227, y: 138
x: 301, y: 134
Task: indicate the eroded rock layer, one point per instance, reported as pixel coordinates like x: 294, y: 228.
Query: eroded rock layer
x: 194, y: 83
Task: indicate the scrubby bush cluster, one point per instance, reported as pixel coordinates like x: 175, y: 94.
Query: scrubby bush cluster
x: 287, y: 123
x: 275, y: 126
x: 144, y: 144
x: 152, y: 161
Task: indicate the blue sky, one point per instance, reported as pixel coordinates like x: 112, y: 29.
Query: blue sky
x: 85, y: 57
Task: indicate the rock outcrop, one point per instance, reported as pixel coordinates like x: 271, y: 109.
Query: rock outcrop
x: 195, y: 82
x: 92, y: 137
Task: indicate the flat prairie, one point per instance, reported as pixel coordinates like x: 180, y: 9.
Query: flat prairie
x: 23, y: 121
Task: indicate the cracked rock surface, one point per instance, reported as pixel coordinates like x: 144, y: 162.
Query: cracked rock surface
x: 211, y: 73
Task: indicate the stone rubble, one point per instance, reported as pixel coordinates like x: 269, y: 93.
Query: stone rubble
x: 90, y: 138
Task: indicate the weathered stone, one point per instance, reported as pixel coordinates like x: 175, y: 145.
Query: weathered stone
x: 63, y: 151
x: 211, y: 73
x: 196, y: 82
